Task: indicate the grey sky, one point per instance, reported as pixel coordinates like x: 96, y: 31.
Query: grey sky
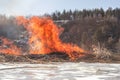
x: 37, y: 7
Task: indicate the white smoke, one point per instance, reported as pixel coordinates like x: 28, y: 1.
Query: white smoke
x: 15, y: 7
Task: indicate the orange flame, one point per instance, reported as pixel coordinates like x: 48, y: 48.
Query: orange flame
x: 8, y: 47
x: 44, y: 37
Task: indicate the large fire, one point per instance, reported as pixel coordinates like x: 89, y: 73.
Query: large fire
x: 43, y: 38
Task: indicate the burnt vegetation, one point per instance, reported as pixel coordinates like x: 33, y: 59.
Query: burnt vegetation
x: 97, y: 31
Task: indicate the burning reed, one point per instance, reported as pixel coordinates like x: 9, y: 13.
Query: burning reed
x: 43, y: 39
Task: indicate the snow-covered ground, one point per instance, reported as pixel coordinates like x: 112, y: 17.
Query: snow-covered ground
x: 60, y: 71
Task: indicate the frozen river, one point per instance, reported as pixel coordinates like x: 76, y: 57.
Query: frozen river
x: 60, y: 71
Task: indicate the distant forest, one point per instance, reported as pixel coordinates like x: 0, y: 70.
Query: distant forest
x: 91, y: 27
x: 83, y: 28
x: 78, y: 14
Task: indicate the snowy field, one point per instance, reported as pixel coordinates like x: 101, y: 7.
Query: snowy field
x: 60, y: 71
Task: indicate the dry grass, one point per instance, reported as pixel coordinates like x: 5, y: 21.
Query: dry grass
x: 101, y: 52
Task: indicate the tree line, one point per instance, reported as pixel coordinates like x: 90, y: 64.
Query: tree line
x: 80, y: 14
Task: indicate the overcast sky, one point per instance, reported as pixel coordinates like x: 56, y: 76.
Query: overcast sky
x: 39, y: 7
